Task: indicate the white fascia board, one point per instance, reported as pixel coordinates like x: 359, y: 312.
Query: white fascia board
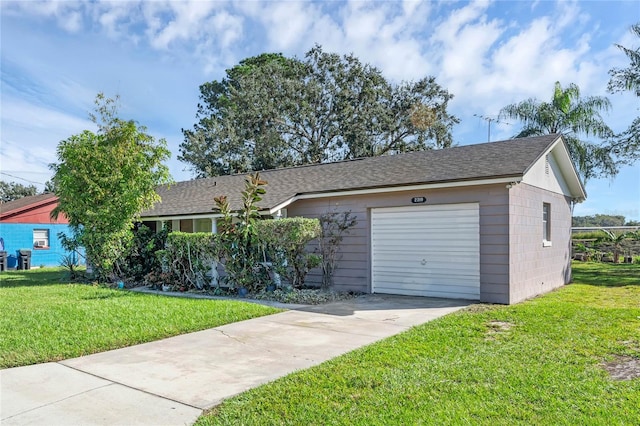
x: 512, y: 179
x: 570, y: 173
x: 193, y: 216
x: 179, y: 217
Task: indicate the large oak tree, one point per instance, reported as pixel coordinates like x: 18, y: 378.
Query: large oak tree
x: 271, y: 111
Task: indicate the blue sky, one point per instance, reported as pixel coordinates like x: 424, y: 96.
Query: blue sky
x: 57, y: 55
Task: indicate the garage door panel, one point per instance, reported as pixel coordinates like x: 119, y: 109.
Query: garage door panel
x: 436, y: 264
x: 461, y: 292
x: 426, y: 250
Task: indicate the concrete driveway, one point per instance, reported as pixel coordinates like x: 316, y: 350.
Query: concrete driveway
x: 171, y: 381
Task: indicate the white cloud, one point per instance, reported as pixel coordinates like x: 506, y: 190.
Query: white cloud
x: 68, y: 14
x: 156, y: 53
x: 186, y: 23
x: 116, y: 17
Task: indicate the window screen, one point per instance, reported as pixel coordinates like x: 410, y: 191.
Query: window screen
x: 41, y: 238
x: 546, y: 222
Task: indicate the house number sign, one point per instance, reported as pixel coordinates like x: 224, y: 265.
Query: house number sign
x: 419, y: 200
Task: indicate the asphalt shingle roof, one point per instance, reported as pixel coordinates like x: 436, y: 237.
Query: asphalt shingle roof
x: 510, y: 158
x: 16, y: 206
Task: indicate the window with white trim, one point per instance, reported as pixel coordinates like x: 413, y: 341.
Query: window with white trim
x: 546, y: 224
x: 41, y: 238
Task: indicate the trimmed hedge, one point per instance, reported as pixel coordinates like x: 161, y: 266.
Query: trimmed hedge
x: 286, y: 243
x: 189, y: 259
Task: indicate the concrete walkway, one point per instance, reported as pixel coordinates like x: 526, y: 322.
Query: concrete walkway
x: 171, y: 381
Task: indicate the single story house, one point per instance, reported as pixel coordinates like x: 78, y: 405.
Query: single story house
x: 488, y: 222
x: 26, y: 224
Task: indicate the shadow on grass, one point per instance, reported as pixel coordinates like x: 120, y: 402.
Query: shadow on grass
x: 110, y: 295
x: 605, y: 274
x: 34, y: 277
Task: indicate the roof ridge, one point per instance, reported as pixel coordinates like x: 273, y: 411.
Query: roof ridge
x: 554, y: 136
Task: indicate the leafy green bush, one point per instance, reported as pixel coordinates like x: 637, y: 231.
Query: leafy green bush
x: 335, y: 225
x: 286, y: 242
x: 189, y: 259
x: 140, y: 259
x: 239, y: 244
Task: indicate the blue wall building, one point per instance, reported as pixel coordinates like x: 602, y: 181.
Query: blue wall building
x: 20, y: 236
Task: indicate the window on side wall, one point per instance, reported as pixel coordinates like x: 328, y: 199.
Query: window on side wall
x: 546, y: 225
x: 40, y: 239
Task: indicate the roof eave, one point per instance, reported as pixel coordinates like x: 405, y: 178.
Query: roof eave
x: 578, y: 191
x: 397, y: 188
x: 36, y: 205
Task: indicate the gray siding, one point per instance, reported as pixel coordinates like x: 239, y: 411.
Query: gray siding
x: 536, y: 269
x: 354, y: 270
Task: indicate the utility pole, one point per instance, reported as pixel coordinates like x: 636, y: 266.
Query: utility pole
x: 489, y: 120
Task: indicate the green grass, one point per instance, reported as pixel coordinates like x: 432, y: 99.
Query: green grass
x: 537, y: 362
x: 42, y: 318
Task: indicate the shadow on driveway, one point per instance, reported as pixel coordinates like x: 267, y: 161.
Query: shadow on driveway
x: 383, y: 302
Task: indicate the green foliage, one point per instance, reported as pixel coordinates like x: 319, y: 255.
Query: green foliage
x: 627, y: 144
x: 576, y: 118
x: 70, y: 264
x: 104, y: 180
x: 627, y: 79
x: 271, y: 111
x: 599, y: 220
x: 603, y: 244
x: 140, y: 259
x: 334, y: 225
x: 189, y: 259
x: 238, y: 241
x: 616, y: 239
x: 286, y: 242
x: 591, y: 235
x: 10, y: 191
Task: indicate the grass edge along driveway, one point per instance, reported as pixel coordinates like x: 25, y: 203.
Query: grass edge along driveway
x: 537, y: 362
x: 45, y: 319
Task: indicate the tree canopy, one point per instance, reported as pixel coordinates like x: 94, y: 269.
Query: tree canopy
x: 10, y: 191
x: 576, y: 118
x: 104, y: 180
x: 626, y: 145
x: 598, y: 220
x: 627, y: 78
x: 271, y: 111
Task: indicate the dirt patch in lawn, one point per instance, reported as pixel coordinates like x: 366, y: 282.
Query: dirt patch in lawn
x: 496, y: 328
x: 623, y: 368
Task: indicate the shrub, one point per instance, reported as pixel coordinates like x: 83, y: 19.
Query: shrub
x: 189, y: 260
x: 591, y: 235
x: 334, y: 227
x: 239, y: 244
x: 616, y: 239
x: 140, y: 259
x: 286, y: 242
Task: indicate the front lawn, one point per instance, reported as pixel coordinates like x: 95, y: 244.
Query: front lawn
x: 42, y: 318
x: 537, y: 362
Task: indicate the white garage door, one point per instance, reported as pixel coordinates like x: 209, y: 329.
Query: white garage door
x: 426, y: 250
